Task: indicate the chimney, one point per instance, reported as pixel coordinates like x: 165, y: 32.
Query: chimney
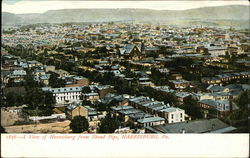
x: 183, y: 131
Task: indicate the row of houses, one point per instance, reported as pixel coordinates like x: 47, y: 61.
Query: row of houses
x: 226, y: 77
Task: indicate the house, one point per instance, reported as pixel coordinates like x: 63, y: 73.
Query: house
x: 130, y: 51
x: 16, y: 76
x: 76, y: 81
x: 179, y: 84
x: 223, y: 107
x: 49, y: 68
x: 210, y: 80
x: 144, y: 81
x: 215, y: 88
x: 134, y: 117
x: 158, y: 109
x: 173, y: 114
x: 202, y: 96
x: 76, y: 109
x: 92, y: 97
x: 102, y: 90
x: 123, y: 112
x: 43, y: 79
x: 196, y: 126
x: 166, y: 89
x: 33, y: 63
x: 61, y: 73
x: 182, y: 95
x: 121, y: 99
x: 151, y: 121
x: 39, y: 71
x: 92, y: 114
x: 216, y: 51
x: 176, y: 77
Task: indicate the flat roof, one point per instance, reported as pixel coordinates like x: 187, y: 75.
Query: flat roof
x: 121, y: 108
x: 151, y: 119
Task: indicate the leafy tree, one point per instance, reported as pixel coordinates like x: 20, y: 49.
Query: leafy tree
x: 13, y: 99
x: 2, y: 130
x: 29, y: 81
x: 79, y: 124
x: 86, y: 89
x: 192, y: 108
x: 181, y: 61
x: 39, y: 102
x: 56, y: 82
x: 158, y: 77
x: 159, y: 95
x: 108, y: 125
x: 239, y: 118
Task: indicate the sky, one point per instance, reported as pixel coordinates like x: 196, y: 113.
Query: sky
x: 41, y: 6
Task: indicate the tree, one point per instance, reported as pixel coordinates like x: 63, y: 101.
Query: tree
x: 108, y: 125
x: 192, y: 108
x: 239, y: 117
x: 12, y: 99
x: 159, y: 78
x: 86, y: 89
x: 79, y: 124
x: 2, y: 130
x: 56, y: 82
x: 39, y: 103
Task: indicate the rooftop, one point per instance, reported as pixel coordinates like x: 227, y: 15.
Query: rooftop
x: 197, y: 126
x: 151, y: 119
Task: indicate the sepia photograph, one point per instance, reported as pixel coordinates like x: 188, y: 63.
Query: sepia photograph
x: 118, y: 78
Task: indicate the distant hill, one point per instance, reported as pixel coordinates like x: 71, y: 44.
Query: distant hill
x: 211, y: 15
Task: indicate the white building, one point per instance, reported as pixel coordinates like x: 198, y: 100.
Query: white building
x: 159, y: 109
x: 65, y: 94
x: 173, y: 115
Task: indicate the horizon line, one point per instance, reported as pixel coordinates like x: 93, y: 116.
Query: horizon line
x: 130, y: 8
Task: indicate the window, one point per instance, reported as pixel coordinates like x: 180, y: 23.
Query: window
x: 181, y: 115
x: 172, y: 116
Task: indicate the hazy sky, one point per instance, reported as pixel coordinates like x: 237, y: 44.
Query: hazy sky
x: 41, y: 6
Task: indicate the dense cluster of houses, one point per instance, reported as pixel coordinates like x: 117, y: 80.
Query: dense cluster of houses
x: 142, y: 47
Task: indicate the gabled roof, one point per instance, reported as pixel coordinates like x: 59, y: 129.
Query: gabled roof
x: 209, y: 102
x: 127, y: 49
x: 73, y: 105
x: 215, y: 88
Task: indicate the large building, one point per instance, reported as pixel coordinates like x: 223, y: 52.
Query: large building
x: 65, y: 94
